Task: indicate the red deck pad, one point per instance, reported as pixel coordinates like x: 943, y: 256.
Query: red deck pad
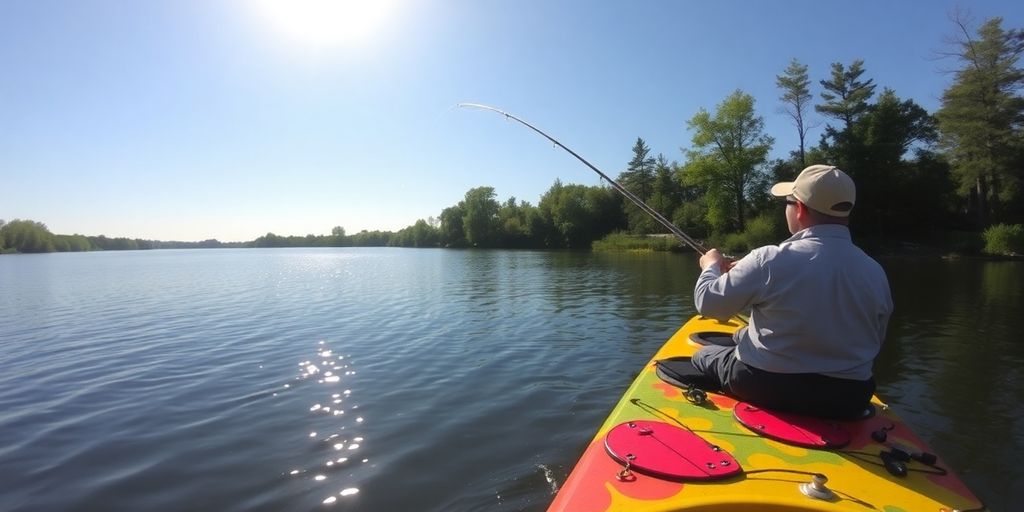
x: 792, y: 428
x: 666, y: 451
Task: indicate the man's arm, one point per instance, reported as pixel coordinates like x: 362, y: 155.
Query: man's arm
x: 721, y: 295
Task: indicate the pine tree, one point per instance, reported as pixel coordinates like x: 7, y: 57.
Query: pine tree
x: 982, y: 116
x: 639, y: 175
x: 846, y: 96
x: 639, y: 179
x: 796, y: 99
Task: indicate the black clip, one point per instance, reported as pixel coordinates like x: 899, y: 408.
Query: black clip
x: 892, y: 463
x: 695, y: 395
x: 881, y: 434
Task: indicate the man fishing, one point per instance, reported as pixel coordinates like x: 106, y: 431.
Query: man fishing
x: 818, y: 307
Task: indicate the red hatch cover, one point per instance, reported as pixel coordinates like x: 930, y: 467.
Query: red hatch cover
x: 666, y: 451
x: 792, y: 428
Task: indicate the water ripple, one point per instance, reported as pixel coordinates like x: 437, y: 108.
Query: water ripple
x: 459, y: 380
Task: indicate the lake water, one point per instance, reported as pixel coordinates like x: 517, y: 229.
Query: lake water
x: 411, y: 379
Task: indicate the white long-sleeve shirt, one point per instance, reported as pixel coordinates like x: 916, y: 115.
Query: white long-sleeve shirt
x: 817, y: 304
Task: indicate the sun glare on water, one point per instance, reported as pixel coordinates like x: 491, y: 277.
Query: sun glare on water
x: 326, y: 22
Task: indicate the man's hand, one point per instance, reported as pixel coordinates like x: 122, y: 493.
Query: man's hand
x: 713, y: 257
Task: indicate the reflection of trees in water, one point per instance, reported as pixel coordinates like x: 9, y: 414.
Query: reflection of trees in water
x: 1002, y: 283
x: 952, y: 365
x: 637, y: 292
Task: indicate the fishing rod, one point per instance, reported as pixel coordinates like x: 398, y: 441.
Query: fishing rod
x: 683, y: 237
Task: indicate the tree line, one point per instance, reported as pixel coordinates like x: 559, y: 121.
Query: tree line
x: 28, y: 236
x: 918, y: 174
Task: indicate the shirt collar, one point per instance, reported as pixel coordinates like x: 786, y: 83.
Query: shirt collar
x: 822, y: 231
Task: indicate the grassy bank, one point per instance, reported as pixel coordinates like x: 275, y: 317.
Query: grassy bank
x: 1001, y: 241
x: 637, y: 243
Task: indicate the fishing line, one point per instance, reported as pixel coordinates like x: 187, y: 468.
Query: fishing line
x: 683, y: 237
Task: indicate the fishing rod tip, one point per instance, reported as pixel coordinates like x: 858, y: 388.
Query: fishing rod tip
x: 481, y: 106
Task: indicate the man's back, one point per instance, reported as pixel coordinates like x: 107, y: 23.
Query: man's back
x: 824, y: 308
x: 818, y: 305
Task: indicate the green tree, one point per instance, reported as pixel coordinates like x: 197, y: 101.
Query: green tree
x: 886, y: 180
x: 846, y: 95
x: 539, y: 227
x: 846, y: 98
x: 514, y: 224
x: 420, y: 234
x: 374, y: 238
x: 337, y: 238
x: 874, y: 149
x: 114, y: 244
x: 981, y: 118
x: 74, y: 243
x: 638, y: 177
x: 480, y: 217
x: 578, y: 214
x: 893, y: 126
x: 668, y: 190
x: 452, y: 232
x: 268, y: 240
x: 796, y: 100
x: 926, y: 198
x: 27, y: 236
x: 424, y: 235
x: 729, y: 152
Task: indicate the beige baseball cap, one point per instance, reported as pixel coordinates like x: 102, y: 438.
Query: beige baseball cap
x: 823, y: 188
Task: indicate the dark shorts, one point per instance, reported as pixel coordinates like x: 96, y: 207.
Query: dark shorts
x: 802, y: 393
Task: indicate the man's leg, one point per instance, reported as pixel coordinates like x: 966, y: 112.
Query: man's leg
x: 715, y: 362
x: 801, y: 393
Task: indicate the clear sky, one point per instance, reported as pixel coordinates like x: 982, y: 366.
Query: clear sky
x: 197, y: 119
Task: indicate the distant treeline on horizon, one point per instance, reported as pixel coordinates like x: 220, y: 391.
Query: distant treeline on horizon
x: 28, y: 236
x: 920, y: 175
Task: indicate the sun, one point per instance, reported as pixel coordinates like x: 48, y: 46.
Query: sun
x: 326, y: 22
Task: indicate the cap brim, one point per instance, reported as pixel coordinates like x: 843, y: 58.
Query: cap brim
x: 782, y: 189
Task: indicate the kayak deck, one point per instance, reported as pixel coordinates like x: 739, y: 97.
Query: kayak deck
x: 773, y: 472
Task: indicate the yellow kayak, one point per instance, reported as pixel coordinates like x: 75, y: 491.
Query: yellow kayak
x: 877, y: 463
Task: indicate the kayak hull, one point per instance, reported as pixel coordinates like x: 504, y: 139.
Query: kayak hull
x: 774, y: 472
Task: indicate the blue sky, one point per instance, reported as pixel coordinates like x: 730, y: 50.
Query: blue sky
x: 192, y: 119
